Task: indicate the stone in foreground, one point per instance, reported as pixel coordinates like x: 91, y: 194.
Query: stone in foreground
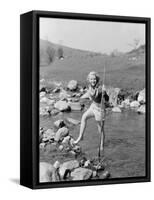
x: 68, y: 166
x: 47, y: 173
x: 81, y: 174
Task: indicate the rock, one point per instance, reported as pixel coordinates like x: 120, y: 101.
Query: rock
x: 63, y: 95
x: 141, y: 109
x: 59, y: 123
x: 61, y: 133
x: 77, y: 149
x: 44, y: 111
x: 125, y: 103
x: 141, y: 96
x: 116, y: 109
x: 54, y: 111
x: 47, y: 173
x: 72, y: 142
x: 81, y: 174
x: 61, y: 147
x: 66, y: 140
x: 75, y: 106
x: 87, y: 163
x: 50, y: 102
x: 72, y: 85
x: 44, y: 100
x: 42, y: 145
x: 56, y: 90
x: 73, y: 121
x: 49, y: 134
x: 134, y: 104
x: 56, y: 164
x: 73, y: 153
x: 62, y: 105
x: 94, y: 174
x: 42, y: 94
x: 105, y: 175
x: 69, y: 165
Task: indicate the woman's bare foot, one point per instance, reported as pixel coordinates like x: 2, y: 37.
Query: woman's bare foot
x: 78, y: 140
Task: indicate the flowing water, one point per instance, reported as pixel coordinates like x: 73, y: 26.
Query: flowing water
x: 124, y: 142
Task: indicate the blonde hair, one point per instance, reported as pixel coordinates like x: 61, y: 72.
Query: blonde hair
x: 95, y: 74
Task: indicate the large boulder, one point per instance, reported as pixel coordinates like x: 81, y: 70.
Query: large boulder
x: 62, y: 105
x: 141, y: 96
x: 68, y: 166
x: 47, y: 173
x: 59, y: 123
x: 141, y: 109
x: 75, y: 106
x: 81, y: 174
x: 72, y: 85
x: 134, y: 104
x: 61, y: 133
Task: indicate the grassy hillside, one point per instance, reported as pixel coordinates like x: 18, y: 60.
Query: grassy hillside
x: 125, y: 71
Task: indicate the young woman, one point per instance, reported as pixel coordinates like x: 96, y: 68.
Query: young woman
x: 97, y: 109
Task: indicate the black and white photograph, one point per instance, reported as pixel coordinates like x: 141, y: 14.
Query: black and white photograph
x: 92, y: 100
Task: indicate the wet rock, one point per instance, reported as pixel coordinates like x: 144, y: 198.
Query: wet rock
x: 62, y: 106
x: 116, y: 109
x: 141, y: 96
x: 61, y: 133
x: 134, y: 104
x: 72, y: 85
x: 75, y: 106
x: 59, y: 123
x: 69, y: 165
x: 141, y: 109
x: 81, y: 174
x: 73, y: 121
x: 47, y: 173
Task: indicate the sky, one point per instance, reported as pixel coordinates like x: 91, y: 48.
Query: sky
x: 95, y: 36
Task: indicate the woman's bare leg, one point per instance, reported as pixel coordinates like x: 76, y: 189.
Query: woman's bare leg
x: 102, y: 134
x: 88, y: 114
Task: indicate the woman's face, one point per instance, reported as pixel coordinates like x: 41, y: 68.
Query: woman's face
x: 92, y: 80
